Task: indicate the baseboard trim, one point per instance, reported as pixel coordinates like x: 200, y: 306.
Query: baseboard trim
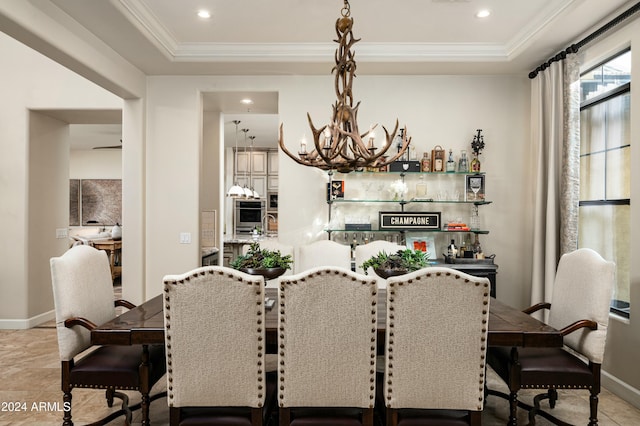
x: 24, y: 324
x: 621, y: 389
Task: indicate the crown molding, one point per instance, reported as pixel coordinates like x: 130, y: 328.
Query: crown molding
x: 323, y: 52
x: 152, y: 28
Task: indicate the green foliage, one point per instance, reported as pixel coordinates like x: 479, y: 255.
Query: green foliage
x: 409, y: 260
x: 257, y: 258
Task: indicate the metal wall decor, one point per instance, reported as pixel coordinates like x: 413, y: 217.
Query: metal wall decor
x: 339, y: 144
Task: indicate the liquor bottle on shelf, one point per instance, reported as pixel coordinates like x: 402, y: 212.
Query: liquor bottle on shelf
x: 421, y: 189
x: 399, y: 141
x: 451, y: 165
x: 425, y: 163
x: 475, y: 164
x: 463, y: 165
x: 452, y: 250
x: 477, y: 248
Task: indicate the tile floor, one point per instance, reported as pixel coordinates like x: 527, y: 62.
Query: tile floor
x: 30, y: 381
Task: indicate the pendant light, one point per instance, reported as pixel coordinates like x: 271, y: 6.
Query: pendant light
x: 235, y: 190
x: 247, y: 192
x: 255, y: 193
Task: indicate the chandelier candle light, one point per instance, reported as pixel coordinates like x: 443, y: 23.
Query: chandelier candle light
x: 339, y: 144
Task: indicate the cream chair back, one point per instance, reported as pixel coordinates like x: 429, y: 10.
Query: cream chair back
x: 215, y: 338
x: 322, y: 253
x: 436, y: 340
x: 82, y: 287
x: 327, y: 339
x: 582, y: 290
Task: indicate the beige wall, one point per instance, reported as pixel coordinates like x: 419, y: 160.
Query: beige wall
x: 30, y: 162
x: 95, y: 164
x: 48, y: 183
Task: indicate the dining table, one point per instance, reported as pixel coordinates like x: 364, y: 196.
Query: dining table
x: 144, y: 325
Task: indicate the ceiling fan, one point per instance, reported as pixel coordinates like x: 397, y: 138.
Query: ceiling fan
x: 110, y: 146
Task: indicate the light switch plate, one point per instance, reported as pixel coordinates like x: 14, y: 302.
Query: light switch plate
x: 185, y: 238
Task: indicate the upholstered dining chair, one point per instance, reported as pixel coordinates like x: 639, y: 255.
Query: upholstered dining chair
x: 365, y: 251
x: 436, y: 342
x: 215, y: 343
x: 322, y: 253
x: 83, y: 297
x: 580, y: 309
x: 327, y: 348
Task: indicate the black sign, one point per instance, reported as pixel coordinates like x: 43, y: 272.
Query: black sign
x: 409, y: 221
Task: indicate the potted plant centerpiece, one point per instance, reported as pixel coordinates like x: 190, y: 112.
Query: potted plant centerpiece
x: 268, y: 263
x: 399, y: 263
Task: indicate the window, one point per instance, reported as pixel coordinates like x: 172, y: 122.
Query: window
x: 605, y: 165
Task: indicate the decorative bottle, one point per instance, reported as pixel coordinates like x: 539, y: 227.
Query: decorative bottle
x: 399, y: 142
x: 477, y: 249
x: 475, y: 164
x: 421, y: 189
x: 425, y: 163
x: 452, y: 250
x: 463, y: 164
x: 451, y: 165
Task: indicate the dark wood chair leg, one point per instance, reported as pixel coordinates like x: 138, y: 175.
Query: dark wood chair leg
x: 593, y: 408
x: 285, y: 416
x: 475, y: 418
x: 392, y: 417
x: 66, y: 402
x: 367, y: 417
x: 513, y: 409
x: 65, y: 372
x: 256, y: 417
x: 553, y: 397
x: 109, y: 395
x: 174, y: 416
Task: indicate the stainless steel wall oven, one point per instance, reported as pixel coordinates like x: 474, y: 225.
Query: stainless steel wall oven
x: 249, y: 214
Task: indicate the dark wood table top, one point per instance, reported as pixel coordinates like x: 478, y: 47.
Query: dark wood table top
x: 145, y: 325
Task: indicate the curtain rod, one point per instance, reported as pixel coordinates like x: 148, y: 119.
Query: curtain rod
x: 576, y: 46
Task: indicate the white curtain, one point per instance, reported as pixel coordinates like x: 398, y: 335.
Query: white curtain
x: 555, y: 127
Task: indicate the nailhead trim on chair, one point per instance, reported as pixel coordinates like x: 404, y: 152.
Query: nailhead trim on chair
x: 102, y: 387
x: 546, y: 386
x: 259, y: 303
x: 391, y: 308
x: 374, y: 319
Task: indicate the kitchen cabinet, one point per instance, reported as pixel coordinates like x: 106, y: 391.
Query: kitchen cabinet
x: 252, y: 162
x: 272, y: 162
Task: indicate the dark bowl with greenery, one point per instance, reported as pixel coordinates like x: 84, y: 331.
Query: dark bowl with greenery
x: 268, y: 263
x: 399, y: 263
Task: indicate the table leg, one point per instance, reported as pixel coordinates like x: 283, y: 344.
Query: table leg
x: 144, y: 385
x: 112, y: 263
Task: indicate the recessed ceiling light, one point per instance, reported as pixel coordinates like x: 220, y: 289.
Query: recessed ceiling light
x: 204, y: 14
x: 483, y: 13
x: 247, y: 101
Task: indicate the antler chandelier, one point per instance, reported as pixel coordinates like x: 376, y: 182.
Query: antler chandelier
x: 339, y: 144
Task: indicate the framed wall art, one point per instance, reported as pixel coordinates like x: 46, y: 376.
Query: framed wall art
x: 474, y: 189
x: 100, y: 201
